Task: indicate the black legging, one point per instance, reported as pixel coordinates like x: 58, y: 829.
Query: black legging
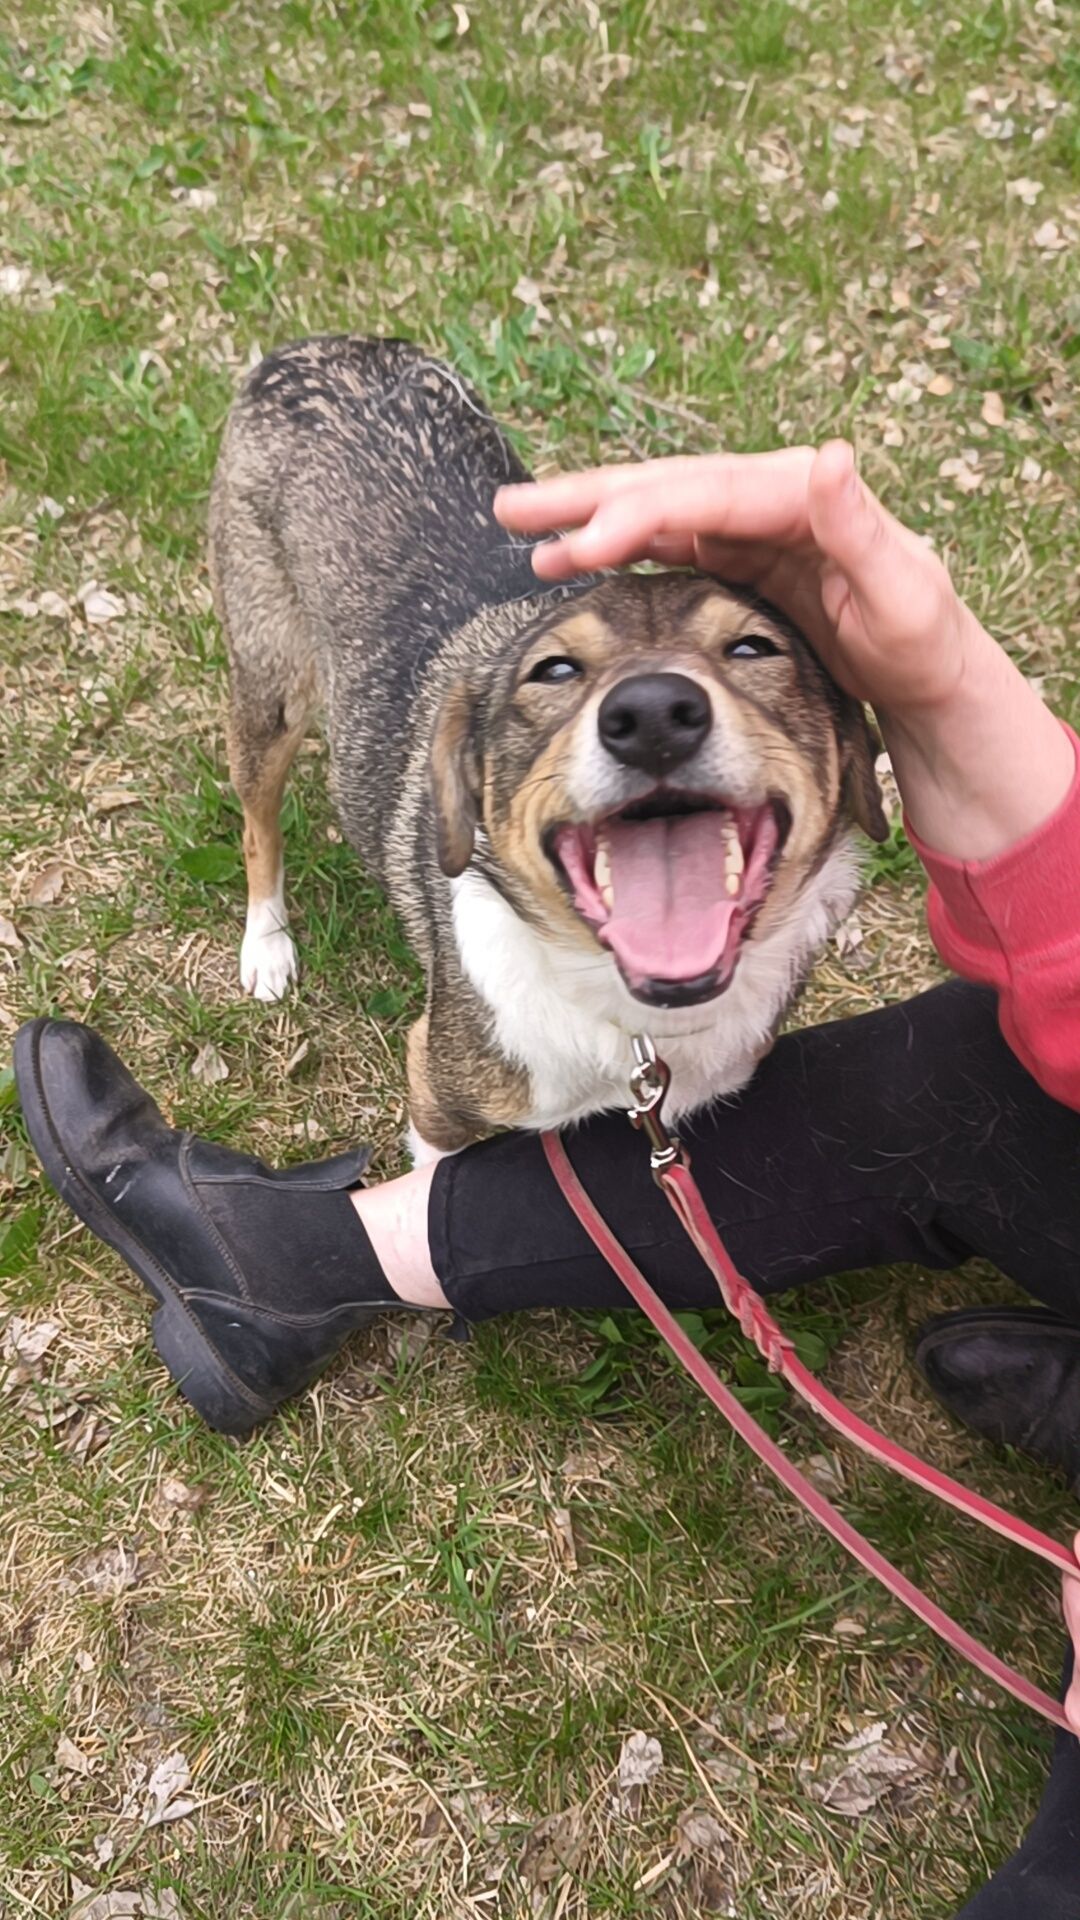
x: 909, y: 1134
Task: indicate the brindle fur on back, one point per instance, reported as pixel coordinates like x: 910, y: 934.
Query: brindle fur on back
x: 351, y: 532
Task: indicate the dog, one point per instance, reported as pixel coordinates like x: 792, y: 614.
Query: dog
x: 620, y: 804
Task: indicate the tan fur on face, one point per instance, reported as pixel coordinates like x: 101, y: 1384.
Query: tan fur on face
x: 788, y: 723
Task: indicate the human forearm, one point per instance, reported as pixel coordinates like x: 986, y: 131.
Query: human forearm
x: 984, y: 767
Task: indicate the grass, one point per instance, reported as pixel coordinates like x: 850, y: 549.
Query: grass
x: 638, y: 231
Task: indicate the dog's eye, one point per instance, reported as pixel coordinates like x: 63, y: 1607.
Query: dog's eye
x: 751, y: 646
x: 556, y: 671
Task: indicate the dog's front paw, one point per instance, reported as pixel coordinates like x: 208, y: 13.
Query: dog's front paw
x: 268, y: 964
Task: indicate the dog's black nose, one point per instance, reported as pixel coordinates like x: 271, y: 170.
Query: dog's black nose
x: 654, y: 721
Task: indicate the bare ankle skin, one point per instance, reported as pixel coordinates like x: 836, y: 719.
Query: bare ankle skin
x: 395, y: 1218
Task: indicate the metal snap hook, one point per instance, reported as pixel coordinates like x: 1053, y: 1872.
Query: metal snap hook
x: 650, y: 1079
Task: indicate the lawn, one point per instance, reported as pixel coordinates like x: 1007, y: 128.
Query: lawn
x: 399, y: 1639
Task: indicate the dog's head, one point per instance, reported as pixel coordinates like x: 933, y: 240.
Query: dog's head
x: 660, y: 769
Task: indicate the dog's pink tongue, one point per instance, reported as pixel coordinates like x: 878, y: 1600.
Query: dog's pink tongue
x: 670, y: 916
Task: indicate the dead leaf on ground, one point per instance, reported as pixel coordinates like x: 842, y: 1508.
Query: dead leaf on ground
x: 705, y: 1881
x: 120, y: 1905
x: 730, y: 1773
x: 104, y: 1906
x: 554, y: 1847
x: 432, y: 1825
x: 111, y: 799
x: 778, y: 1729
x: 698, y: 1832
x: 47, y: 886
x: 280, y: 1837
x: 26, y: 1343
x: 100, y: 606
x: 85, y: 1434
x: 561, y: 1529
x: 199, y: 199
x: 176, y: 1496
x: 9, y: 935
x: 528, y: 292
x: 855, y: 1778
x: 599, y: 1466
x: 824, y: 1471
x: 160, y: 1798
x: 640, y: 1761
x: 209, y: 1066
x: 993, y: 409
x: 110, y: 1572
x: 72, y: 1758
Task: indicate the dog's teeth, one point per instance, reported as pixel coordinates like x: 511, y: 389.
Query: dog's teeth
x: 733, y: 859
x: 602, y: 872
x: 607, y: 896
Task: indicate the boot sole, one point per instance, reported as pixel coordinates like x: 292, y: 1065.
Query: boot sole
x: 195, y: 1367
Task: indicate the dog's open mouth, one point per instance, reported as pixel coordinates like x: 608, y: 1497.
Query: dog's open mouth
x: 671, y: 884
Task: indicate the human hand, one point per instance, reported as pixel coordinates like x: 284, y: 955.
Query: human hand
x: 799, y: 527
x: 1070, y: 1593
x: 979, y: 760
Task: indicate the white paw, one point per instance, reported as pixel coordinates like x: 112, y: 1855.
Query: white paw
x: 267, y: 956
x: 421, y: 1152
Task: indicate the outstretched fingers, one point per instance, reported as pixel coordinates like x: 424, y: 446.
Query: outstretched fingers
x: 621, y: 514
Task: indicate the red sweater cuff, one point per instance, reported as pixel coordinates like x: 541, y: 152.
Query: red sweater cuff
x: 1023, y: 902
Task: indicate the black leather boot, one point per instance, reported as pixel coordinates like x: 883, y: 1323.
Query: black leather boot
x: 1011, y: 1373
x: 258, y: 1276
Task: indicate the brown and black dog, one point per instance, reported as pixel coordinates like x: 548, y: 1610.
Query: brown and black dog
x: 625, y: 803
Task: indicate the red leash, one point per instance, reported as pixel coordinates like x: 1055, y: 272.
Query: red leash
x: 672, y: 1173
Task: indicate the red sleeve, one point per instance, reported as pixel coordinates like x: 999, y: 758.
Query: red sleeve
x: 1014, y: 923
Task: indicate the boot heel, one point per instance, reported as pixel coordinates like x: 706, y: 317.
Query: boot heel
x: 202, y: 1379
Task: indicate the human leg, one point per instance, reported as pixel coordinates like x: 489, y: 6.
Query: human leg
x: 907, y: 1134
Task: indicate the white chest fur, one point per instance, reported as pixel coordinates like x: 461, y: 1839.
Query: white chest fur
x: 565, y: 1016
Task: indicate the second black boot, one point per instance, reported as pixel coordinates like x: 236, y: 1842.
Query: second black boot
x: 1010, y: 1373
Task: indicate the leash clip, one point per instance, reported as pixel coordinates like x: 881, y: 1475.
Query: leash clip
x: 649, y: 1083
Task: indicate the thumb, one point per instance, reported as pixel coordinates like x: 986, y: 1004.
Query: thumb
x: 892, y: 577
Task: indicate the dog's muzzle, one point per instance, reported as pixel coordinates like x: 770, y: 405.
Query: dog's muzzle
x: 671, y: 885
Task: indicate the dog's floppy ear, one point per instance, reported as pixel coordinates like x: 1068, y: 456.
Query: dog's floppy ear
x: 455, y: 780
x: 859, y: 789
